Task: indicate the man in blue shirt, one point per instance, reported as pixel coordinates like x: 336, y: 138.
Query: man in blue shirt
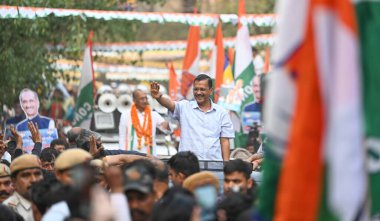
x: 205, y: 126
x: 30, y: 104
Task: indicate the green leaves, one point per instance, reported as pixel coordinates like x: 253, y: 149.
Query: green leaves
x: 25, y: 59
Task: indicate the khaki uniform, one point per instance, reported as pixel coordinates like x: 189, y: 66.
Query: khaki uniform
x: 20, y: 205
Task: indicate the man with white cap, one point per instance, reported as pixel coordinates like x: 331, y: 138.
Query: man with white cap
x: 25, y: 170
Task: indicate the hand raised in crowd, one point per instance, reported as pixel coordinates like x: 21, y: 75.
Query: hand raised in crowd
x: 94, y: 150
x: 36, y: 136
x: 155, y: 90
x: 17, y: 137
x: 256, y: 160
x: 3, y: 148
x: 114, y: 179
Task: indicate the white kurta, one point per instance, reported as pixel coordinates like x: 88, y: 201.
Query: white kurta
x: 128, y: 137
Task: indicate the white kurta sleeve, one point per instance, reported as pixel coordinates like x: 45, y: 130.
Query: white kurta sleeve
x: 120, y: 204
x: 123, y: 129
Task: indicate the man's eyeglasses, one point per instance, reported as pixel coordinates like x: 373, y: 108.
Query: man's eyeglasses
x: 201, y: 89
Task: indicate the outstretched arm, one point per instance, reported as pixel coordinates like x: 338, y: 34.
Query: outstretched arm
x: 164, y: 101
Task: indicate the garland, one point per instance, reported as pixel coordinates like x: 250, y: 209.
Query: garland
x: 144, y: 131
x: 267, y: 20
x: 205, y: 44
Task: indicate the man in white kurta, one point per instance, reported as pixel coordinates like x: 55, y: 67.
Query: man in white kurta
x: 128, y: 139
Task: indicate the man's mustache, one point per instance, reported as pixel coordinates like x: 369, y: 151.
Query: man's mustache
x: 4, y: 194
x: 137, y: 212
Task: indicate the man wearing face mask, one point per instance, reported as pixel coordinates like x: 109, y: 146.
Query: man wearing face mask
x: 237, y: 177
x: 205, y: 126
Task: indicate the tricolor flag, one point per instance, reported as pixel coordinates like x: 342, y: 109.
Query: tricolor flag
x: 173, y: 83
x: 84, y: 107
x: 316, y: 127
x: 190, y: 67
x: 243, y: 62
x: 368, y: 24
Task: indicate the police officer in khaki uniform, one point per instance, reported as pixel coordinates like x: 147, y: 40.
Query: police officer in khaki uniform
x: 25, y: 170
x: 72, y: 167
x: 6, y: 188
x: 67, y: 162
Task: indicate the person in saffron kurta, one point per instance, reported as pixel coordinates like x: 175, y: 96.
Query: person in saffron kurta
x: 137, y: 128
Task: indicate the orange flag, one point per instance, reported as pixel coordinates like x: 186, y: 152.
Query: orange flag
x: 173, y: 82
x: 266, y: 64
x: 241, y: 11
x: 190, y: 67
x: 231, y: 55
x: 219, y: 61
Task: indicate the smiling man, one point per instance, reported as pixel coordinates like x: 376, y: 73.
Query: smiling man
x: 205, y: 127
x: 30, y: 104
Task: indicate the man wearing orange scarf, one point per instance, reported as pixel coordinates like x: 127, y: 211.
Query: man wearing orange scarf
x: 137, y: 128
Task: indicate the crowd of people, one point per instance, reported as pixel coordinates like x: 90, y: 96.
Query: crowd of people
x: 73, y: 177
x: 82, y: 181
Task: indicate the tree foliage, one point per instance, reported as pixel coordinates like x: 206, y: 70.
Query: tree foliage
x: 25, y: 59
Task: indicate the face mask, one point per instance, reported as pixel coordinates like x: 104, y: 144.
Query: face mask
x: 170, y: 184
x: 206, y: 197
x: 235, y: 189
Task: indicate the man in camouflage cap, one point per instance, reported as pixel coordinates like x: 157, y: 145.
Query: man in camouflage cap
x: 25, y: 170
x: 138, y: 187
x: 6, y: 188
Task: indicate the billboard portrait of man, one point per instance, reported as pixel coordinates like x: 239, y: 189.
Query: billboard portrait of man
x: 30, y: 105
x: 252, y: 112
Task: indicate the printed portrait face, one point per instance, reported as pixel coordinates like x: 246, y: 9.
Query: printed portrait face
x: 256, y: 88
x: 29, y: 102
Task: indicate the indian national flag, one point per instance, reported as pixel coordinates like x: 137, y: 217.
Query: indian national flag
x: 84, y: 107
x: 243, y: 62
x: 313, y: 116
x: 190, y: 67
x: 368, y: 17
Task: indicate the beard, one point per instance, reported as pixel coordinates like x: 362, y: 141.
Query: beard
x: 138, y: 214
